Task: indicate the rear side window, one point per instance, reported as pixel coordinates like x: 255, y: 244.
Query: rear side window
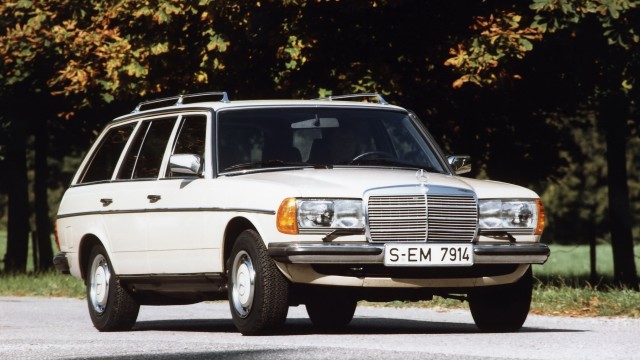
x: 105, y: 158
x: 144, y: 158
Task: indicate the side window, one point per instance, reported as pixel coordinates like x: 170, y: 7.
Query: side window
x: 129, y: 163
x: 191, y: 137
x: 144, y: 157
x: 106, y: 156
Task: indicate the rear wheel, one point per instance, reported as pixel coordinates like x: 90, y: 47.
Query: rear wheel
x: 502, y: 308
x: 258, y: 292
x: 330, y: 311
x: 111, y: 307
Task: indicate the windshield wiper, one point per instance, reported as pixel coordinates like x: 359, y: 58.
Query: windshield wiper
x: 264, y: 164
x: 393, y: 162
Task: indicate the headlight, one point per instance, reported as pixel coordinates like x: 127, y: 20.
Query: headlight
x: 295, y: 214
x: 511, y: 214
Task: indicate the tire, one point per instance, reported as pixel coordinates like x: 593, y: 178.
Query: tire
x: 258, y: 292
x: 331, y: 311
x: 111, y: 307
x: 502, y: 308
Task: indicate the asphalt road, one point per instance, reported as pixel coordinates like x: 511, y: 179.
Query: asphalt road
x: 41, y: 328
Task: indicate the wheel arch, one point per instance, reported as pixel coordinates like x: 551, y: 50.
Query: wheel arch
x: 88, y: 242
x: 236, y: 226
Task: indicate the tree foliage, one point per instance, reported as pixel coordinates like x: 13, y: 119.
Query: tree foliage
x: 498, y: 36
x: 511, y: 34
x: 107, y: 49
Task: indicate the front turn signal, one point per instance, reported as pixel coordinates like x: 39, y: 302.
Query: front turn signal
x: 286, y: 220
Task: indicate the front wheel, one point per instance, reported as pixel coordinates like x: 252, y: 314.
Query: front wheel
x: 502, y: 308
x: 111, y: 307
x: 258, y: 292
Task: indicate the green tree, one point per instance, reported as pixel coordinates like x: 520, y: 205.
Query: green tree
x: 604, y: 35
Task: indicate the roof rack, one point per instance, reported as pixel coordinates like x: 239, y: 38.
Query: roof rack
x: 377, y: 96
x: 179, y: 100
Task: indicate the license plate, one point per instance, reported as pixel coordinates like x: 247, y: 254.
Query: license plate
x: 428, y: 255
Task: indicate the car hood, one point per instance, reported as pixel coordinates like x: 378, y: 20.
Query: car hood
x: 353, y: 182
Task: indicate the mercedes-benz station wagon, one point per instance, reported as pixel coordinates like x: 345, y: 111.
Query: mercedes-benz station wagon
x: 272, y: 204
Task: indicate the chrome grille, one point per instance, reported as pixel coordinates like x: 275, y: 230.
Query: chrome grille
x: 397, y: 218
x: 436, y: 217
x: 452, y: 218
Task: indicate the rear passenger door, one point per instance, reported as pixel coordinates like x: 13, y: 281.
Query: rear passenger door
x: 128, y: 216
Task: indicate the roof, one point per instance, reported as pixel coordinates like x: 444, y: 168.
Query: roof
x: 185, y: 102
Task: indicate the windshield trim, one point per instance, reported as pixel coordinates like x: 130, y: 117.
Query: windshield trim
x: 432, y: 142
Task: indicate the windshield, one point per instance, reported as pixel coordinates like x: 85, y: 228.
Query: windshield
x: 321, y: 137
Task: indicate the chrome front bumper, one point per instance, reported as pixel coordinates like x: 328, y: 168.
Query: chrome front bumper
x: 345, y: 253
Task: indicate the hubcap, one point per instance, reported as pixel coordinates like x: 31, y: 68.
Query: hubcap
x: 243, y: 276
x: 99, y: 283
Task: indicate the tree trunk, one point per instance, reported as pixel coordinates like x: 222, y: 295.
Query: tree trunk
x: 43, y: 222
x: 18, y: 192
x: 613, y: 119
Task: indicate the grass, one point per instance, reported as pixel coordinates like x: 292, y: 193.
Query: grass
x: 578, y: 302
x: 563, y: 285
x: 570, y: 265
x: 566, y: 286
x: 49, y: 284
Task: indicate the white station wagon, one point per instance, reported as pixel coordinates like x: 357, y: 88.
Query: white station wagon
x: 278, y: 203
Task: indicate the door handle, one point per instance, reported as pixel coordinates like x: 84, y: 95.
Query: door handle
x: 106, y: 202
x: 153, y: 198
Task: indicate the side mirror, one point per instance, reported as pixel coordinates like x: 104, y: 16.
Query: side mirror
x: 186, y: 164
x: 461, y: 164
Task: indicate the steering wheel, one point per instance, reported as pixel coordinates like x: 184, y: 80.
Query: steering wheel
x: 379, y: 154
